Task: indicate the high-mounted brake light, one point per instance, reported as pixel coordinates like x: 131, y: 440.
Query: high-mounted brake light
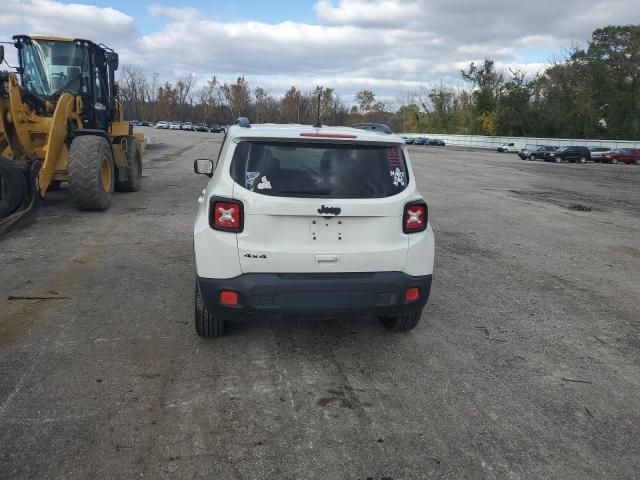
x: 415, y: 218
x: 328, y: 135
x: 226, y: 215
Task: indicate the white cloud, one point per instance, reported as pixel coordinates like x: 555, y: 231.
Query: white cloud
x: 386, y: 45
x: 389, y: 13
x: 49, y: 17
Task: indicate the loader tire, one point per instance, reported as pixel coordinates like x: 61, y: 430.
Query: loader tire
x: 91, y: 174
x: 13, y: 187
x: 134, y: 161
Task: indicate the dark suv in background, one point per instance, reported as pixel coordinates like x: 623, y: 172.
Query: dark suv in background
x: 573, y: 154
x: 533, y: 153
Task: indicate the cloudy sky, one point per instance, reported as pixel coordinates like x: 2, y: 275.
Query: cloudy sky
x: 389, y: 46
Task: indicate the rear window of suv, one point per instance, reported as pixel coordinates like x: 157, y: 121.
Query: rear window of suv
x: 319, y: 170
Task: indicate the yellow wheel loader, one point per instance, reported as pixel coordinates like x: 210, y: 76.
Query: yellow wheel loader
x: 60, y: 121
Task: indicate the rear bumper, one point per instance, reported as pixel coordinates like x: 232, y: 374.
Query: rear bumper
x: 316, y: 295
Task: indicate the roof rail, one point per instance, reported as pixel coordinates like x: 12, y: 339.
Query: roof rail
x: 243, y: 122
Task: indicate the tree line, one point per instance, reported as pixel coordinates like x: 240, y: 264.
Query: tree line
x: 590, y: 92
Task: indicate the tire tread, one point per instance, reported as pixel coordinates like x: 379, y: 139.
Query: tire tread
x: 84, y: 166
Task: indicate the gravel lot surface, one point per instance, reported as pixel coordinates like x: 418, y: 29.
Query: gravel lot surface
x: 525, y: 365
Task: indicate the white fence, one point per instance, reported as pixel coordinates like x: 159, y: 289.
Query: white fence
x: 479, y: 141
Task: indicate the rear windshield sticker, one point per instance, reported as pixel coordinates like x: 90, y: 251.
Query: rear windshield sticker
x: 264, y: 184
x: 393, y: 157
x: 397, y: 174
x: 251, y: 178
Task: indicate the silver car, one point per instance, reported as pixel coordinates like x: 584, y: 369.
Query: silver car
x: 599, y: 153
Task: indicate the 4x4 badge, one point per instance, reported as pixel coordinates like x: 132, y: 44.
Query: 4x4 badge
x: 329, y: 210
x: 249, y: 255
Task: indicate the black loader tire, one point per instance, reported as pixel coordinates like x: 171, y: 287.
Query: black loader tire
x: 207, y: 324
x: 13, y: 187
x: 134, y: 160
x: 402, y: 323
x: 91, y: 172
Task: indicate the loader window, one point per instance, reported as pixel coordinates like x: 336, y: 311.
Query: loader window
x: 53, y: 67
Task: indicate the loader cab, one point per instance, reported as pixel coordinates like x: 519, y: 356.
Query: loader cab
x: 49, y: 67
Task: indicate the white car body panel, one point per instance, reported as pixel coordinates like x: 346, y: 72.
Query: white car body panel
x: 367, y: 236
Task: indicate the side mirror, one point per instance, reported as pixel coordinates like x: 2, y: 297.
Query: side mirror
x: 204, y: 166
x: 1, y: 53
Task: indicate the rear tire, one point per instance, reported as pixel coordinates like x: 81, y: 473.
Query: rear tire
x: 614, y: 161
x: 54, y: 185
x: 207, y: 324
x: 91, y: 172
x: 557, y: 159
x: 13, y: 187
x: 532, y: 157
x: 134, y: 161
x: 583, y: 160
x: 403, y: 323
x: 637, y: 162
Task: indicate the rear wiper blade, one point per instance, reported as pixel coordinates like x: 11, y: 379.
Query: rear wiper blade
x: 324, y: 192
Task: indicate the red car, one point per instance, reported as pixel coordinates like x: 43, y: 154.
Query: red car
x: 626, y: 155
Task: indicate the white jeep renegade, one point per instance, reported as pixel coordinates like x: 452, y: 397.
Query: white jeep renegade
x: 303, y: 221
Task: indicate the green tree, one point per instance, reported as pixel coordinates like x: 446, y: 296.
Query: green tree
x: 486, y: 84
x: 513, y: 106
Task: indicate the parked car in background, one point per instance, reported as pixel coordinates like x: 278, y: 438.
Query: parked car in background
x: 599, y: 153
x: 162, y: 124
x: 508, y: 147
x: 135, y: 123
x: 410, y: 140
x: 527, y: 150
x: 435, y: 141
x: 626, y: 155
x: 144, y: 123
x: 373, y: 127
x: 215, y: 128
x: 187, y: 126
x: 175, y: 126
x: 536, y: 153
x: 420, y: 141
x: 572, y: 154
x: 200, y: 127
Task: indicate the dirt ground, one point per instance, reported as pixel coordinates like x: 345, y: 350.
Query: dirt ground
x: 525, y: 364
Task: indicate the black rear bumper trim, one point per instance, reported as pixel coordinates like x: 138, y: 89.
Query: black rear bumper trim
x: 316, y: 294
